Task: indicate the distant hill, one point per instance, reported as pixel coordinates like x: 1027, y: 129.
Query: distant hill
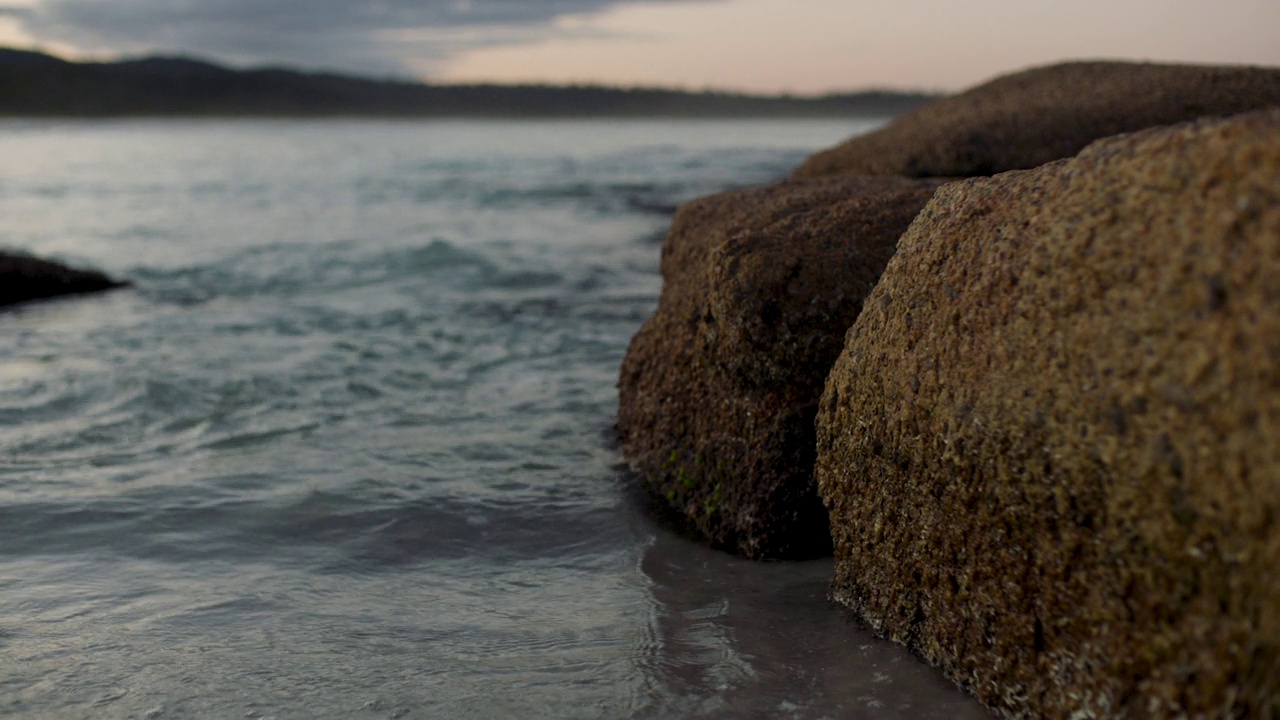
x: 33, y: 84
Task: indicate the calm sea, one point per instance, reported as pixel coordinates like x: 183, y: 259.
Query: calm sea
x: 343, y: 452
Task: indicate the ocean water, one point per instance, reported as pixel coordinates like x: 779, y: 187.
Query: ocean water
x: 344, y: 452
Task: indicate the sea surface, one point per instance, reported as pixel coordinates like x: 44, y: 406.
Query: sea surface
x: 344, y: 450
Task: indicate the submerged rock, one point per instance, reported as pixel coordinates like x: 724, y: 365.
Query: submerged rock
x: 1051, y: 445
x: 24, y: 278
x: 719, y: 388
x: 1044, y: 114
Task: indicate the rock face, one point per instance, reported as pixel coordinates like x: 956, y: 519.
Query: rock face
x: 1051, y: 445
x: 719, y: 388
x: 1033, y: 117
x: 24, y: 278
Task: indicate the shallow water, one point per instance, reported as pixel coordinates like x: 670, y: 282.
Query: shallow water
x: 344, y: 449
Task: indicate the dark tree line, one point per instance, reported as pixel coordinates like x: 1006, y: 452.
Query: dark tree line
x: 33, y: 84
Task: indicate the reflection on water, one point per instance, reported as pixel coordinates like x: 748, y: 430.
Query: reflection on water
x: 730, y: 638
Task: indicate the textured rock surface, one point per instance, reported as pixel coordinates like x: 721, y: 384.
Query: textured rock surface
x: 24, y: 278
x: 719, y: 388
x: 1051, y: 446
x: 1044, y: 114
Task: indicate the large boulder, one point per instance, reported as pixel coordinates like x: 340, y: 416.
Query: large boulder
x: 1051, y: 445
x: 24, y: 278
x: 1035, y: 116
x: 719, y: 388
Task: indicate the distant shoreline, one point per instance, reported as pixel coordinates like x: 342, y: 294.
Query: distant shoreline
x: 35, y: 85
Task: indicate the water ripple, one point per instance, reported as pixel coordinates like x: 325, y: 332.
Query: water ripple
x: 339, y: 453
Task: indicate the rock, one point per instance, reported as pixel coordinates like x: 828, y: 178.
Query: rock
x: 24, y: 278
x: 1044, y: 114
x: 1051, y: 445
x: 719, y: 388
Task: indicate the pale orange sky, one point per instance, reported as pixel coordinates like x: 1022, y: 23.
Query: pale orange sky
x: 820, y: 45
x: 803, y: 46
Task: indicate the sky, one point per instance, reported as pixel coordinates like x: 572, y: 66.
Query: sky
x: 794, y: 46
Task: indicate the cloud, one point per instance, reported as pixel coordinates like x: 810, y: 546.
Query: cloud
x: 384, y: 37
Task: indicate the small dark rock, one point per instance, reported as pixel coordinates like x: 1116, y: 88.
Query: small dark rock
x: 24, y: 278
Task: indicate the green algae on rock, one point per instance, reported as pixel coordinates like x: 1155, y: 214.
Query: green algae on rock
x: 1051, y: 445
x: 1035, y: 116
x: 719, y: 389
